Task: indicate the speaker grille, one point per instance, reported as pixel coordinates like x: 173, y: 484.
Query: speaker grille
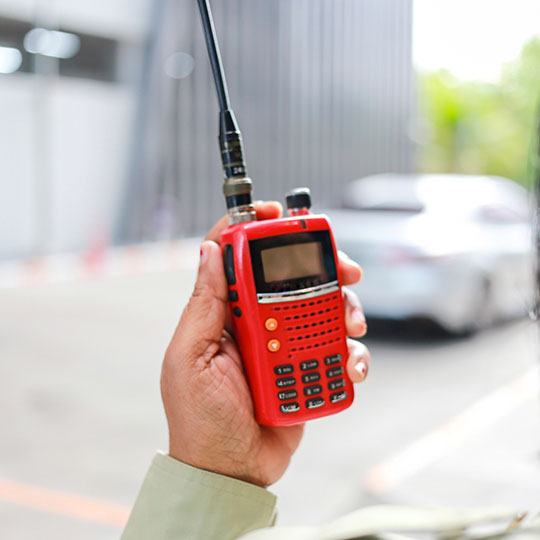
x: 311, y: 324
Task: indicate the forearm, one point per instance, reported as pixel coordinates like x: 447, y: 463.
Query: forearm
x: 177, y: 501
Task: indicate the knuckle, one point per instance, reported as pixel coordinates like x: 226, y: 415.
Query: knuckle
x: 351, y: 296
x: 358, y: 349
x: 201, y: 290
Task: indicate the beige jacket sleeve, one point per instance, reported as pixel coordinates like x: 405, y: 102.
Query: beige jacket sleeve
x: 180, y: 502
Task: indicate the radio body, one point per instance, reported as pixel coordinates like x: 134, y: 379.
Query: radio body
x: 288, y: 319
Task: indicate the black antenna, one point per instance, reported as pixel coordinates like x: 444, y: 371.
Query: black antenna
x: 237, y: 187
x: 214, y: 55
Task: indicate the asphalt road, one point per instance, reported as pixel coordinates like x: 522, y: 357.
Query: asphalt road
x: 81, y: 416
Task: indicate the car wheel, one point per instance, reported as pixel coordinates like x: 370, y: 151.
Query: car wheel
x: 483, y: 310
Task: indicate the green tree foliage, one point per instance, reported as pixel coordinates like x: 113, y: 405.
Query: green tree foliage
x: 480, y: 128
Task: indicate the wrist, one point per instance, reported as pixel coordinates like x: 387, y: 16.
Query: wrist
x: 223, y: 467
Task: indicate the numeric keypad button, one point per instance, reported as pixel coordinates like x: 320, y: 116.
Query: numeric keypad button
x: 283, y: 370
x: 309, y: 364
x: 334, y: 359
x: 311, y: 377
x: 338, y: 396
x: 312, y: 390
x: 334, y: 372
x: 287, y: 394
x: 286, y: 381
x: 289, y: 407
x: 334, y: 385
x: 314, y: 403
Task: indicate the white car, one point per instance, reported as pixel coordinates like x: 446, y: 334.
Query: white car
x: 456, y: 249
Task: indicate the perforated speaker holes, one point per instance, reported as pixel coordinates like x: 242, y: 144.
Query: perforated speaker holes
x: 310, y: 314
x: 314, y: 335
x: 314, y: 324
x: 316, y: 345
x: 305, y: 304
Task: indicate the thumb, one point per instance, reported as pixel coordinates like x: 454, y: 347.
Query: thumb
x: 201, y: 326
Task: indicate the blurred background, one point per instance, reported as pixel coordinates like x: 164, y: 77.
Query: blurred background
x: 414, y: 123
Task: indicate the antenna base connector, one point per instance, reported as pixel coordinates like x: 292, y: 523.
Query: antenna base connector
x: 240, y: 206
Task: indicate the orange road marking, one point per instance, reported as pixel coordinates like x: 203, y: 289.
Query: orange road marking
x: 68, y: 504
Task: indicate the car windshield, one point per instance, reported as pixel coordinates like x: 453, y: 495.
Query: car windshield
x: 384, y: 193
x: 438, y: 194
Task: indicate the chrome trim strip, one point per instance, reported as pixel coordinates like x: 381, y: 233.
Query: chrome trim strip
x: 301, y: 294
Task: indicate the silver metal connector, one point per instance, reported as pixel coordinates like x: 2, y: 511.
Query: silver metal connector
x: 241, y: 214
x: 237, y: 193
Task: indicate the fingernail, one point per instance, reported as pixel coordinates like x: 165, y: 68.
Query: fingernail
x: 204, y: 255
x: 357, y: 316
x: 362, y: 369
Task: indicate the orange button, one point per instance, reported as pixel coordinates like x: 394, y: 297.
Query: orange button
x: 273, y: 345
x: 270, y: 324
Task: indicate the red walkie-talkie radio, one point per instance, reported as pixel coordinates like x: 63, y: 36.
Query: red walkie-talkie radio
x: 284, y: 288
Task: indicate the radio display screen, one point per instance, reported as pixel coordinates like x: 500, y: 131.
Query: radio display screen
x: 291, y: 262
x: 294, y: 261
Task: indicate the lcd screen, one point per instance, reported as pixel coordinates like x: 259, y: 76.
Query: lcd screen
x: 293, y: 261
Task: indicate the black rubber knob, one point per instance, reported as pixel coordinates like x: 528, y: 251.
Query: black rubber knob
x: 299, y: 198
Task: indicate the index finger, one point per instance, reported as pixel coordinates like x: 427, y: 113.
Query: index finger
x: 264, y: 209
x: 349, y: 270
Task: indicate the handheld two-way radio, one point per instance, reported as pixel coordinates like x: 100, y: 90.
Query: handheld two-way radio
x: 284, y: 287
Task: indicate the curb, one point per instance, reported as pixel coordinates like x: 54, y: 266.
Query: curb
x: 100, y: 263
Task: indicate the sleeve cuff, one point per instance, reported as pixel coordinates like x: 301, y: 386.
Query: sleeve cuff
x: 179, y: 501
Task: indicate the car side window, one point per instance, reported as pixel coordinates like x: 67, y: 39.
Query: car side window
x: 502, y: 214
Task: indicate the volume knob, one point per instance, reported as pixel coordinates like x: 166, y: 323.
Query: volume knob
x: 298, y: 201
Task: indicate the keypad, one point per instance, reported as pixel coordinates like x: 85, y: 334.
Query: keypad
x: 311, y: 377
x: 233, y: 296
x: 289, y: 407
x: 334, y: 385
x: 334, y: 372
x: 334, y: 359
x: 286, y: 381
x: 314, y: 403
x: 283, y: 370
x: 338, y: 396
x: 287, y: 394
x: 310, y: 364
x: 312, y: 390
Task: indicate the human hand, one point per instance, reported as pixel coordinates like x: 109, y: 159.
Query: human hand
x: 205, y: 393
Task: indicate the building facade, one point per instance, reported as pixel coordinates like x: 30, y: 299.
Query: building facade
x: 323, y: 92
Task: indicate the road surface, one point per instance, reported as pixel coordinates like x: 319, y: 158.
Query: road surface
x: 81, y: 416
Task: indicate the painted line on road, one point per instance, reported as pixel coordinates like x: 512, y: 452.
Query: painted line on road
x: 431, y: 447
x: 67, y: 504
